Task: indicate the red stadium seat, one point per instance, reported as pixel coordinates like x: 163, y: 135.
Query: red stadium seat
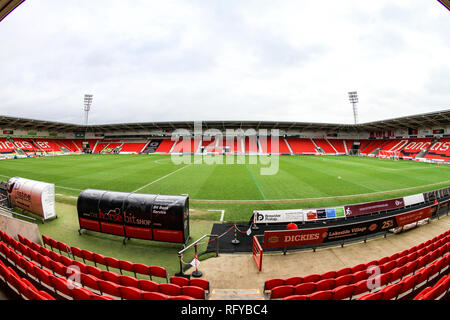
x: 142, y: 269
x: 181, y: 298
x: 170, y: 289
x: 180, y: 281
x: 360, y: 287
x: 321, y: 295
x: 358, y: 268
x: 388, y: 266
x: 90, y: 281
x: 360, y: 275
x: 110, y: 276
x: 160, y: 272
x: 148, y: 285
x: 126, y: 266
x: 62, y: 286
x: 371, y: 296
x: 193, y: 291
x: 77, y: 252
x: 282, y: 291
x: 408, y: 285
x: 343, y: 272
x: 272, y: 283
x: 311, y: 278
x: 154, y: 296
x: 343, y: 280
x: 111, y: 263
x: 99, y: 259
x: 129, y: 293
x: 82, y: 294
x: 296, y: 297
x: 305, y: 288
x: 128, y: 281
x: 328, y: 275
x: 94, y: 271
x: 397, y: 273
x: 343, y: 292
x: 293, y: 281
x: 88, y: 255
x: 391, y: 292
x: 326, y: 284
x: 109, y: 288
x: 201, y: 283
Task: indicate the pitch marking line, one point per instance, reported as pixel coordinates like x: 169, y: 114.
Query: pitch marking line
x: 256, y: 183
x: 222, y: 213
x: 159, y: 179
x: 74, y: 189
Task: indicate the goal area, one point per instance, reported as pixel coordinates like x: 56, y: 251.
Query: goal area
x: 388, y: 154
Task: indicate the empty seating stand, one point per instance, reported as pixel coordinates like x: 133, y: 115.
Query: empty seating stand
x: 399, y: 276
x: 53, y: 270
x: 301, y: 146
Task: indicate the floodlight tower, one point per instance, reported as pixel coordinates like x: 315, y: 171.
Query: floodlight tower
x: 353, y: 96
x: 87, y: 107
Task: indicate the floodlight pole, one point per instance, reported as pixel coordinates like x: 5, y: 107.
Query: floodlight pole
x: 353, y: 96
x: 87, y: 107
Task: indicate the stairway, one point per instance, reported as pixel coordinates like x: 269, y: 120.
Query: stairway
x: 236, y: 294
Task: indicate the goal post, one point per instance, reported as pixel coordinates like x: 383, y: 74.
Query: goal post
x: 388, y: 154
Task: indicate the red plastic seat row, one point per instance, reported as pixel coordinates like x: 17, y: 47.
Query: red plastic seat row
x: 21, y: 285
x: 386, y: 264
x: 390, y: 292
x: 410, y: 283
x: 436, y: 292
x: 182, y: 282
x: 389, y: 270
x: 109, y: 262
x: 98, y: 279
x: 107, y: 289
x: 365, y: 285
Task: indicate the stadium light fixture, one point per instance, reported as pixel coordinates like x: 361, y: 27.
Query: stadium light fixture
x: 353, y: 96
x: 87, y: 106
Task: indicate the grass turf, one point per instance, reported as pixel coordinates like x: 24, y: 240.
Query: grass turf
x: 301, y: 182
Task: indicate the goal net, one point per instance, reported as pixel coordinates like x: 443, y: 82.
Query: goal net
x: 387, y: 154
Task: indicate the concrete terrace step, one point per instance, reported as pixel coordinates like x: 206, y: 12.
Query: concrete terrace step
x: 236, y: 294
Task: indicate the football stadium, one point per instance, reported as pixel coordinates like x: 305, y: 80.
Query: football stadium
x: 224, y: 210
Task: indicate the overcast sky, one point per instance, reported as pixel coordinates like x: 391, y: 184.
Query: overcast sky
x: 177, y: 60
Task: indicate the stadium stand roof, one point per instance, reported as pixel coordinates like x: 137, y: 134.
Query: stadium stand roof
x: 6, y: 6
x: 426, y: 120
x: 445, y: 3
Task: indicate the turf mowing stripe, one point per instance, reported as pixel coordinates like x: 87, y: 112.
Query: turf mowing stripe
x: 321, y: 198
x: 159, y: 179
x: 256, y: 183
x: 74, y: 189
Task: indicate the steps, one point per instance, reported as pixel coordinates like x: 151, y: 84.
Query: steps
x: 236, y: 294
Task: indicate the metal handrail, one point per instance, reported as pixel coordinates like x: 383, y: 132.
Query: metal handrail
x: 194, y: 244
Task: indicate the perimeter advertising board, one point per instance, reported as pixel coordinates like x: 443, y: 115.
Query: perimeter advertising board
x: 371, y: 207
x: 314, y: 236
x: 33, y: 196
x: 278, y: 216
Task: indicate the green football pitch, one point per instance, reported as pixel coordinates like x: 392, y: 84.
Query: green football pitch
x: 308, y: 181
x: 218, y: 192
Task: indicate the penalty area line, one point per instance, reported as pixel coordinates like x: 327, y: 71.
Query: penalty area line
x: 159, y: 179
x: 222, y: 213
